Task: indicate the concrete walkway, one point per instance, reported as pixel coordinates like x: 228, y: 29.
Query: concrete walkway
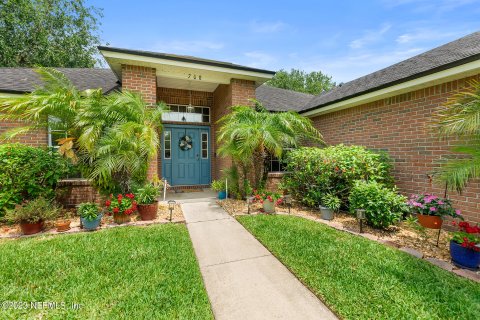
x: 243, y: 279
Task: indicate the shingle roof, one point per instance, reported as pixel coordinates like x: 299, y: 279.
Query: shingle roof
x: 21, y: 80
x: 276, y: 99
x: 452, y: 54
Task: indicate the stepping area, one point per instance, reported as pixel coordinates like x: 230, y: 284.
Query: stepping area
x: 243, y: 279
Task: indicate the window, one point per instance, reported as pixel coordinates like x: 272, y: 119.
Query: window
x: 274, y: 164
x: 204, y: 145
x: 167, y: 145
x: 54, y: 134
x: 183, y: 113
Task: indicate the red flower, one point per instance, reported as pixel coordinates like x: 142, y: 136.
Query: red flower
x: 130, y: 195
x: 128, y: 211
x: 108, y: 203
x: 116, y: 210
x: 120, y: 197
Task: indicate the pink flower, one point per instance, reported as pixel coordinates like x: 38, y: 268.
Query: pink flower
x: 433, y: 209
x: 458, y: 212
x: 440, y: 202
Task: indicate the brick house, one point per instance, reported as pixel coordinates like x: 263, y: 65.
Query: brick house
x: 389, y: 109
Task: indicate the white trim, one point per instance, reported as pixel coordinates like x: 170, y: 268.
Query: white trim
x: 463, y: 71
x: 139, y: 59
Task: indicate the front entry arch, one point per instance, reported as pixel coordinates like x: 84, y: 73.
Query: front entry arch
x: 186, y: 155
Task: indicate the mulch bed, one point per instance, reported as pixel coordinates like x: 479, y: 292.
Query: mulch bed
x: 400, y: 235
x: 163, y: 216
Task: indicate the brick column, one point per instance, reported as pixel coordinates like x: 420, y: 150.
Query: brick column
x: 144, y: 81
x: 238, y: 92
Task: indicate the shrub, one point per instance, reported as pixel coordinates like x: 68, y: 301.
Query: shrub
x: 383, y: 206
x: 148, y: 194
x: 33, y: 211
x: 89, y: 211
x: 333, y: 170
x: 27, y: 173
x: 218, y: 185
x: 331, y: 201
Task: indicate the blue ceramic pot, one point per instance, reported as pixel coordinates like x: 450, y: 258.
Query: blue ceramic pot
x: 464, y: 257
x: 91, y: 224
x: 222, y: 195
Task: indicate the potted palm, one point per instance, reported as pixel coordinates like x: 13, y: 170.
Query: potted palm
x: 465, y: 246
x: 147, y: 199
x: 219, y: 186
x: 430, y: 209
x: 90, y: 215
x: 330, y: 204
x: 122, y: 207
x: 31, y: 215
x: 268, y: 200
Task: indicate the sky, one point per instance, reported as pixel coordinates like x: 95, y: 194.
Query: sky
x: 344, y: 39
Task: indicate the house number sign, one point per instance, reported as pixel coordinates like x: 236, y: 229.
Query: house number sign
x: 194, y: 76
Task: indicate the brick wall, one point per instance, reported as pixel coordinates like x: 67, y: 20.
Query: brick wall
x: 180, y: 96
x: 144, y: 81
x: 72, y: 192
x: 35, y: 138
x: 400, y: 126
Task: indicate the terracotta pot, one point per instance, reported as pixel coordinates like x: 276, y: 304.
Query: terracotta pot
x: 268, y: 206
x: 120, y: 218
x: 148, y: 211
x: 63, y: 225
x: 432, y: 222
x: 31, y: 228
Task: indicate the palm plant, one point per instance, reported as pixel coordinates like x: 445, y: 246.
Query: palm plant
x: 460, y: 119
x: 247, y: 135
x: 113, y: 136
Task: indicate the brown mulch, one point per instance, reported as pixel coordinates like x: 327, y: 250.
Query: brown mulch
x: 400, y: 235
x: 163, y: 216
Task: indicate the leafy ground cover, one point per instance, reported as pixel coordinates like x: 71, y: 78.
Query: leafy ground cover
x: 362, y: 279
x: 119, y: 273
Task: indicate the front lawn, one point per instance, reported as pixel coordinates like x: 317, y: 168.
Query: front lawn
x: 362, y: 279
x: 120, y: 273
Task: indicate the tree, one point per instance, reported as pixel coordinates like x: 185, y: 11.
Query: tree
x: 460, y: 119
x: 49, y: 33
x: 247, y: 135
x: 113, y: 137
x: 313, y: 83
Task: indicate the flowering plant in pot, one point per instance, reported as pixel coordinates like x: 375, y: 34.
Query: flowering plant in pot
x: 465, y: 246
x: 31, y: 215
x: 147, y: 198
x: 330, y: 204
x: 268, y: 200
x: 90, y: 215
x: 430, y: 209
x: 121, y: 207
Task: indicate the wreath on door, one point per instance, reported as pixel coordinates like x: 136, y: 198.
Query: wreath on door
x: 185, y: 143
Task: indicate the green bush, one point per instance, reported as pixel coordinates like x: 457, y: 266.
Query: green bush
x: 148, y: 194
x: 27, y: 173
x: 333, y: 170
x: 33, y: 211
x: 383, y: 206
x: 331, y: 201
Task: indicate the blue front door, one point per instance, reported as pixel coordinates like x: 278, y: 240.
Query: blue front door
x: 186, y: 155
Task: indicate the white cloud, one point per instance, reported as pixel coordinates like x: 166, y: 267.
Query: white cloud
x: 188, y: 46
x: 370, y: 36
x: 267, y: 27
x: 422, y: 35
x: 258, y: 59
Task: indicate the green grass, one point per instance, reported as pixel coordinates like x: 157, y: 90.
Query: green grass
x: 120, y: 273
x: 362, y: 279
